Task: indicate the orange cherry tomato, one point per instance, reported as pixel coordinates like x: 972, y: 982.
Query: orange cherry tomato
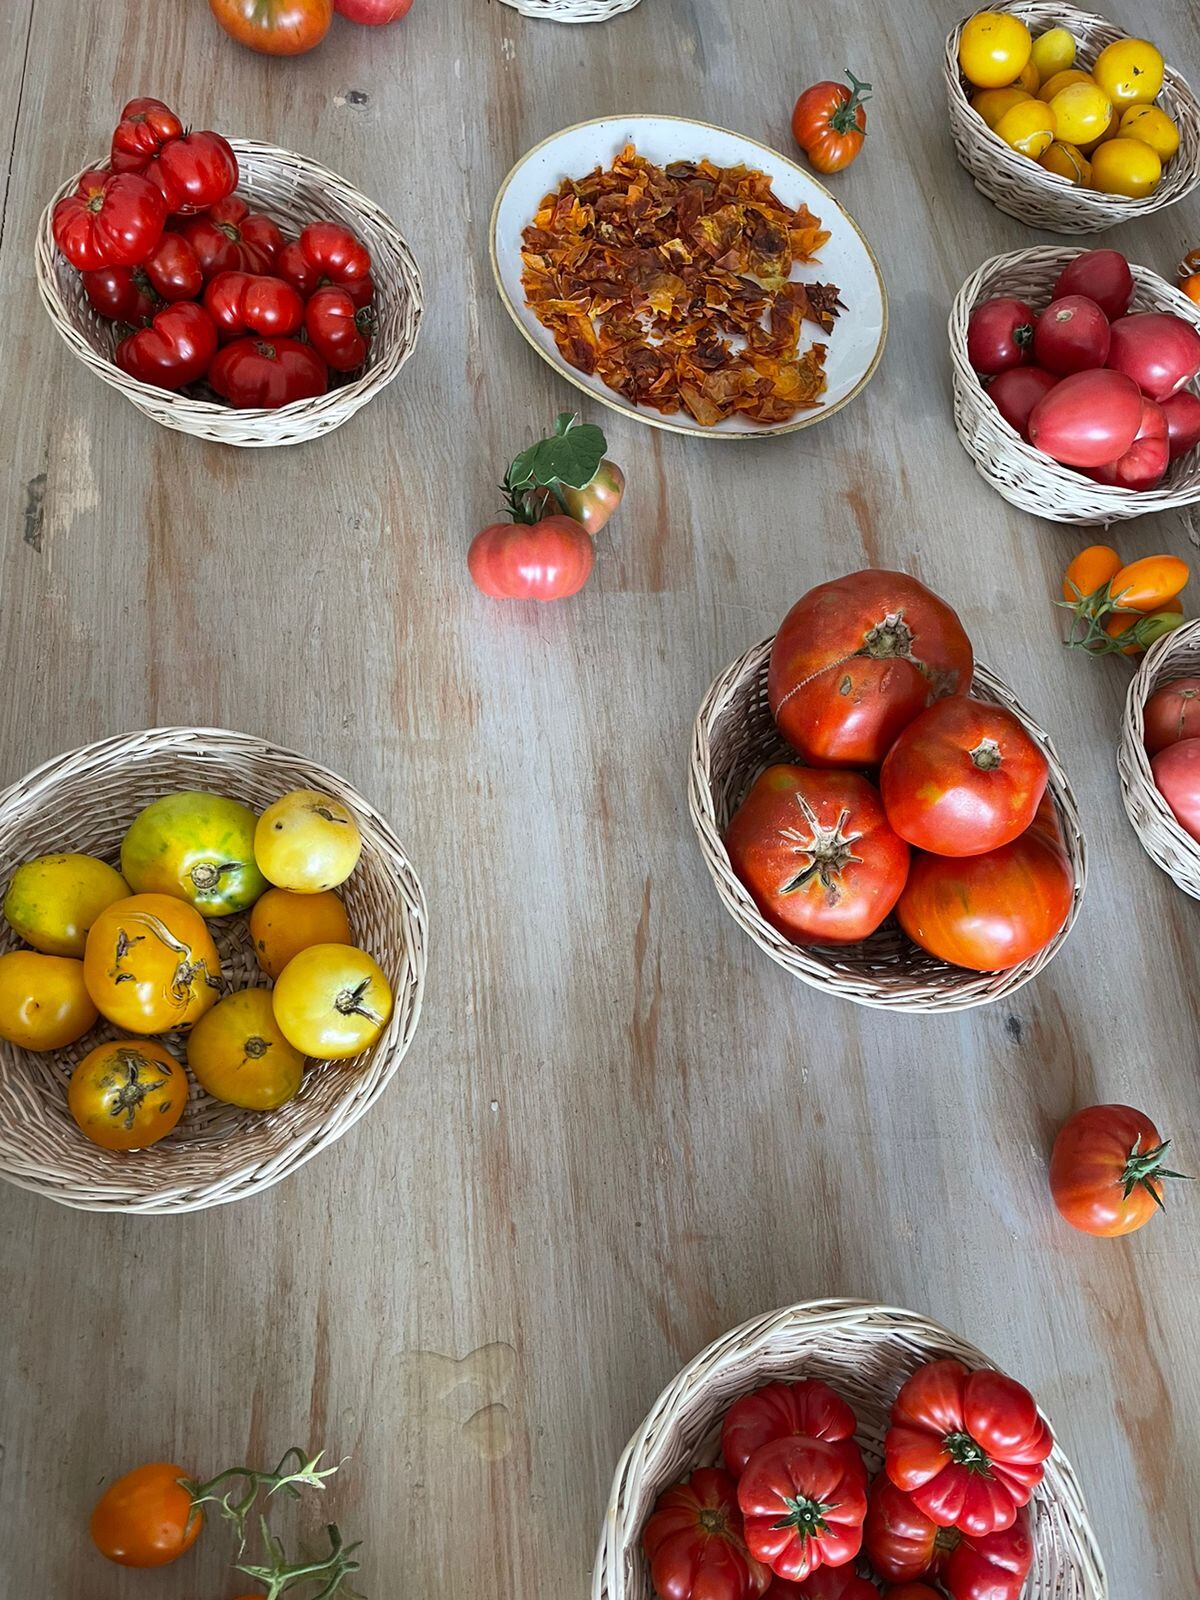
x: 1148, y: 584
x: 150, y: 964
x: 1190, y: 263
x: 1191, y: 287
x: 1090, y: 571
x: 283, y: 923
x: 147, y: 1518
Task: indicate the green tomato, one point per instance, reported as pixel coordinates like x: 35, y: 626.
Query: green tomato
x: 52, y: 901
x: 198, y: 847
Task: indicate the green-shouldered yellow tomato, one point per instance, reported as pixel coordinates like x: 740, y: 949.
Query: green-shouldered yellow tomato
x: 198, y: 847
x: 307, y: 842
x: 1053, y: 51
x: 44, y: 1003
x: 283, y: 923
x: 238, y: 1054
x: 151, y: 965
x: 331, y: 1001
x: 127, y: 1094
x: 52, y: 901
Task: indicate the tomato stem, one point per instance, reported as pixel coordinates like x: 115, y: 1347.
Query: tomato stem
x: 807, y: 1517
x: 1145, y: 1168
x: 295, y: 1470
x: 845, y: 118
x: 281, y: 1573
x: 967, y: 1452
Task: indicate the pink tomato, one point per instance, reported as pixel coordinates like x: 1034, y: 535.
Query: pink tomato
x: 1160, y: 352
x: 373, y: 12
x: 1017, y: 391
x: 1000, y: 335
x: 1143, y: 464
x: 1177, y: 774
x: 1172, y: 714
x: 1071, y: 335
x: 1182, y: 412
x: 1087, y: 420
x: 1102, y: 275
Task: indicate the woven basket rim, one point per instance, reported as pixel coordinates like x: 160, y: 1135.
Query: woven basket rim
x: 1165, y: 841
x: 571, y: 10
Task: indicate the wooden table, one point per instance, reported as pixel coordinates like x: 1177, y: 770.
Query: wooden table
x: 621, y: 1129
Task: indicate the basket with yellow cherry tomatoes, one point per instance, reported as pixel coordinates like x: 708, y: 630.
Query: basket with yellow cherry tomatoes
x: 1066, y: 122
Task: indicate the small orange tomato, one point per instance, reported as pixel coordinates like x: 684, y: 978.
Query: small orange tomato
x: 1143, y: 630
x: 127, y: 1094
x: 1090, y: 571
x: 147, y: 1518
x: 150, y: 964
x: 283, y: 923
x: 1148, y: 584
x: 1190, y: 263
x: 44, y: 1003
x: 1190, y: 286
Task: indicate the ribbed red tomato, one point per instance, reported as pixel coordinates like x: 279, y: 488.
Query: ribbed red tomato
x: 1145, y: 462
x: 802, y: 1507
x: 229, y: 237
x: 808, y: 1409
x: 123, y: 294
x: 900, y: 1540
x: 988, y: 1566
x: 546, y: 560
x: 175, y: 350
x: 1172, y: 713
x: 327, y: 252
x: 829, y: 123
x: 246, y: 302
x: 1087, y: 420
x: 1107, y: 1170
x: 695, y: 1543
x: 268, y: 373
x: 112, y: 220
x: 1071, y: 335
x: 826, y: 1583
x: 192, y: 170
x: 145, y: 126
x: 1015, y: 393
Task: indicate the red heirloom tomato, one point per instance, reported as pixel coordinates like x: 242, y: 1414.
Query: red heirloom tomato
x: 112, y: 220
x: 802, y: 1507
x: 145, y: 126
x: 1182, y: 412
x: 175, y: 350
x: 1172, y: 713
x: 193, y: 170
x: 147, y: 1518
x: 373, y: 12
x: 1106, y: 1170
x: 817, y: 854
x: 988, y: 1566
x: 242, y: 302
x: 911, y: 1591
x: 855, y: 660
x: 1101, y: 275
x: 123, y: 294
x: 275, y: 27
x: 1000, y: 335
x: 232, y: 238
x: 963, y: 777
x: 173, y: 270
x: 1071, y: 335
x: 338, y: 331
x: 268, y: 373
x: 1160, y: 352
x: 809, y: 1409
x: 900, y: 1541
x: 829, y: 123
x: 967, y: 1446
x: 1145, y: 462
x: 826, y: 1583
x: 695, y: 1545
x: 1177, y: 776
x: 327, y: 253
x: 546, y: 560
x: 1015, y: 393
x: 1087, y: 420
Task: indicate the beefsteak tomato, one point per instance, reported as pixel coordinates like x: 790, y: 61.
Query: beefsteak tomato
x: 695, y: 1544
x: 268, y: 373
x: 192, y: 170
x: 175, y: 350
x: 802, y: 1507
x: 338, y: 331
x: 232, y: 238
x: 900, y: 1540
x: 122, y: 294
x: 114, y: 219
x: 826, y: 1583
x: 545, y: 560
x: 172, y: 268
x: 275, y: 27
x: 145, y: 126
x: 245, y: 302
x: 1106, y: 1170
x: 327, y: 253
x: 988, y: 1566
x: 829, y: 123
x: 809, y: 1409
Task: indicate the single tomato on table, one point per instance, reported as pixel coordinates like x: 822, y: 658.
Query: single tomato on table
x: 307, y: 841
x: 238, y: 1054
x: 1176, y: 773
x: 1107, y: 1169
x: 112, y: 220
x: 802, y: 1507
x: 808, y: 1409
x: 198, y: 847
x: 1172, y: 713
x: 150, y: 964
x: 268, y: 373
x: 44, y: 1002
x: 127, y: 1094
x: 829, y: 123
x: 243, y: 302
x: 148, y: 1517
x: 52, y: 901
x: 275, y: 27
x: 332, y: 1001
x: 549, y: 559
x: 283, y: 922
x: 695, y: 1545
x: 176, y: 349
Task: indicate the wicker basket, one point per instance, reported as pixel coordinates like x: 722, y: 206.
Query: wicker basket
x: 85, y: 801
x: 572, y: 10
x: 1164, y: 841
x: 1023, y: 475
x: 293, y: 190
x: 865, y: 1352
x: 1027, y: 191
x: 735, y: 737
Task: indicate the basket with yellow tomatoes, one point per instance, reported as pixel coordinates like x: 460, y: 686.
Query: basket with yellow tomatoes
x: 212, y: 954
x: 1065, y: 121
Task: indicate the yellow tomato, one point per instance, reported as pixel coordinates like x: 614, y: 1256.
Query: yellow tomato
x: 1125, y: 166
x: 53, y: 901
x: 1028, y: 128
x: 127, y: 1094
x: 197, y: 846
x: 1059, y: 80
x: 1130, y: 71
x: 282, y: 924
x: 44, y: 1003
x: 1069, y: 162
x: 991, y: 104
x: 237, y: 1053
x: 993, y: 49
x: 1081, y: 113
x: 1152, y: 126
x: 1114, y: 125
x: 1029, y: 78
x: 1053, y: 51
x: 307, y: 841
x: 331, y: 1001
x: 150, y: 964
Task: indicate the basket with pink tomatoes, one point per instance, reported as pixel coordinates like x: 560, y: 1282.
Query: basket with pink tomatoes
x: 1159, y: 755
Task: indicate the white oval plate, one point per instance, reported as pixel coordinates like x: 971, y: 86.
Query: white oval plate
x: 858, y: 337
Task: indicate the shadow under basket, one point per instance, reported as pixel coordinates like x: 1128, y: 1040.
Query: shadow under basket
x: 1167, y: 844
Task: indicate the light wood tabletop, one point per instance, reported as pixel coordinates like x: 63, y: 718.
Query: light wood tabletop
x: 621, y: 1129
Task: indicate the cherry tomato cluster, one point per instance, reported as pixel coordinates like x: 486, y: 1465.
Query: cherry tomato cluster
x: 134, y: 947
x: 1090, y: 384
x: 792, y: 1508
x: 208, y: 289
x: 1121, y: 607
x: 913, y: 798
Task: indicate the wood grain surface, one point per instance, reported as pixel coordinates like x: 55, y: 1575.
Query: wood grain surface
x: 621, y: 1129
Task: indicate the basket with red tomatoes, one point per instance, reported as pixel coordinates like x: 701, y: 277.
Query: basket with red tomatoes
x: 1159, y: 755
x: 878, y: 811
x: 228, y: 289
x: 1077, y: 384
x: 817, y: 1450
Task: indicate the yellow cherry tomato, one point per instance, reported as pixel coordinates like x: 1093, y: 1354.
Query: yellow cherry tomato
x: 307, y: 841
x: 1125, y: 166
x: 1130, y: 71
x: 150, y: 964
x: 197, y: 846
x: 1114, y: 126
x: 1089, y: 571
x: 282, y: 924
x: 1058, y: 81
x: 993, y: 49
x: 127, y: 1094
x: 1069, y: 162
x: 1029, y: 78
x: 1149, y: 583
x: 1053, y: 51
x: 332, y: 1001
x: 53, y: 901
x: 44, y: 1003
x: 991, y: 104
x: 237, y: 1053
x: 1152, y: 126
x: 1082, y: 112
x: 1028, y: 127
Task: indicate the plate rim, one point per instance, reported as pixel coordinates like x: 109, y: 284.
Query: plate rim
x: 636, y: 413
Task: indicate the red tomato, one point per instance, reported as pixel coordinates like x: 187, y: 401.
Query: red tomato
x: 817, y: 855
x: 275, y: 27
x: 1015, y: 393
x: 989, y: 912
x: 268, y: 373
x: 327, y: 252
x: 900, y: 1541
x: 112, y: 220
x: 808, y: 1409
x: 546, y: 560
x: 802, y: 1507
x: 911, y: 1591
x: 1145, y: 462
x: 829, y: 123
x: 145, y: 126
x: 1160, y: 352
x: 1000, y: 335
x: 192, y: 170
x: 175, y: 350
x: 1106, y: 1170
x: 826, y: 1583
x: 232, y: 238
x: 373, y: 12
x: 123, y: 294
x: 172, y: 269
x: 967, y: 1446
x: 963, y: 778
x: 338, y: 331
x: 1177, y: 777
x: 855, y: 660
x: 1087, y: 420
x: 1101, y: 275
x: 242, y: 302
x: 695, y: 1543
x: 1172, y: 714
x: 1182, y: 412
x: 1071, y: 335
x: 989, y: 1566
